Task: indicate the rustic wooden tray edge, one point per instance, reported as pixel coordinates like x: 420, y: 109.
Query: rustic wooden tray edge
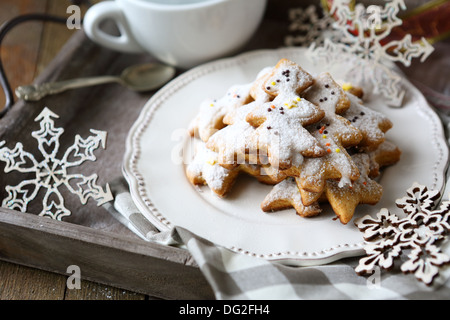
x: 139, y: 266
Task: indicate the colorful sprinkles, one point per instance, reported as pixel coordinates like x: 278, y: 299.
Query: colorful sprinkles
x: 347, y: 86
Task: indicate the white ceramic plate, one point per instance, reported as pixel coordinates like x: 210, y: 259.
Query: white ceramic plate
x: 164, y: 195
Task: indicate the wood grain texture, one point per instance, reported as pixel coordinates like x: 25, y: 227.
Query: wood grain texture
x: 24, y: 283
x: 20, y: 48
x: 102, y: 257
x: 95, y: 291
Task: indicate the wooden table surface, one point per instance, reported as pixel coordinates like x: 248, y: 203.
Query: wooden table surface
x: 25, y: 52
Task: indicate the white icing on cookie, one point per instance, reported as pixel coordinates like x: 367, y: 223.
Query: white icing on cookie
x: 333, y: 133
x: 233, y: 143
x: 282, y: 135
x: 204, y: 169
x: 210, y: 116
x: 287, y: 77
x: 279, y: 123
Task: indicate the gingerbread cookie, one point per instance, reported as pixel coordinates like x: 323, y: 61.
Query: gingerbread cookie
x: 334, y: 133
x: 386, y: 154
x: 233, y: 143
x: 205, y: 170
x: 285, y: 195
x: 257, y: 95
x: 280, y: 124
x: 372, y: 124
x: 287, y: 77
x: 328, y: 94
x: 345, y: 199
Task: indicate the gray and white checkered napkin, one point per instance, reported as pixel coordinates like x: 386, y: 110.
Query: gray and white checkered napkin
x: 237, y: 276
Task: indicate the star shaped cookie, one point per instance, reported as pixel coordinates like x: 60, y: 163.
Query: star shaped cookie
x: 285, y: 195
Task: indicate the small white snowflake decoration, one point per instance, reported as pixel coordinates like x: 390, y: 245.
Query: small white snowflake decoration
x: 51, y: 173
x: 417, y: 236
x: 363, y: 45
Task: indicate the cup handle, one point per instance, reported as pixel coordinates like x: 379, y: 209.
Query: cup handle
x: 110, y: 10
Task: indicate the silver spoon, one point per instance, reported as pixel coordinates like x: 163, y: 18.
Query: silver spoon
x: 143, y: 77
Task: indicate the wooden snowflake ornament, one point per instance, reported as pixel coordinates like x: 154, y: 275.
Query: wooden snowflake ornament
x: 417, y: 236
x: 51, y: 173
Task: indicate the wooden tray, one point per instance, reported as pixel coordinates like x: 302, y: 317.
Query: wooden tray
x: 105, y: 250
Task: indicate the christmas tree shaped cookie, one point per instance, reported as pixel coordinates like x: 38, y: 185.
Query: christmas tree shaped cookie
x: 212, y: 111
x: 233, y: 143
x: 280, y: 123
x: 345, y: 199
x: 204, y: 170
x: 334, y: 134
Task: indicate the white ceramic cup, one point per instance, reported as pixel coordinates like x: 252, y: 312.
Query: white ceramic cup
x: 182, y: 33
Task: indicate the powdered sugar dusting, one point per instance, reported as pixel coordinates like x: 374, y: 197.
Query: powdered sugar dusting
x: 333, y: 133
x: 371, y: 123
x: 280, y: 123
x: 205, y: 165
x: 210, y: 116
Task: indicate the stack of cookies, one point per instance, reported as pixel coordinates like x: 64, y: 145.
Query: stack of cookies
x: 309, y: 137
